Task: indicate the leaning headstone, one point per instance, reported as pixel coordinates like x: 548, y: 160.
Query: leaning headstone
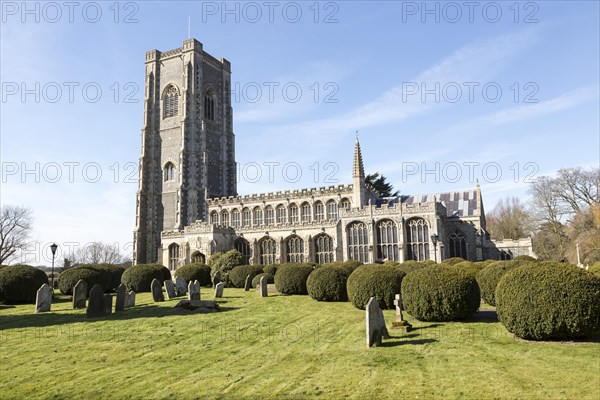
x: 219, y: 290
x: 107, y: 300
x: 170, y: 289
x: 43, y: 299
x: 95, y: 302
x: 376, y: 330
x: 121, y: 295
x: 130, y: 299
x: 156, y: 288
x: 217, y: 279
x: 181, y: 286
x: 194, y: 291
x: 80, y: 292
x: 264, y: 290
x: 248, y: 283
x: 400, y: 323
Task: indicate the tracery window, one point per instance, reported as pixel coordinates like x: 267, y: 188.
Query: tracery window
x: 387, y: 240
x: 214, y: 217
x: 225, y: 218
x: 323, y: 249
x: 358, y: 242
x: 243, y: 247
x: 209, y: 105
x: 319, y: 211
x: 246, y: 217
x: 173, y: 256
x: 258, y: 216
x: 171, y: 102
x: 332, y: 211
x: 267, y: 250
x: 235, y: 218
x: 345, y: 204
x: 417, y: 239
x: 169, y: 172
x: 305, y: 212
x: 457, y: 245
x: 270, y: 215
x: 294, y: 214
x: 281, y: 214
x: 295, y: 249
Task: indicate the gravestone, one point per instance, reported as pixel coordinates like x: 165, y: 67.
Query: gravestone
x: 80, y: 292
x: 170, y: 289
x: 248, y: 283
x: 400, y: 323
x: 130, y: 299
x: 107, y: 300
x: 217, y: 279
x: 156, y: 288
x: 121, y: 295
x: 181, y: 286
x: 95, y: 302
x: 264, y: 290
x: 194, y: 291
x: 376, y: 330
x: 43, y: 299
x: 219, y: 290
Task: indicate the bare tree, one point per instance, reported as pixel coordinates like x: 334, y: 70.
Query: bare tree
x: 509, y: 219
x: 95, y: 253
x: 15, y: 227
x: 577, y: 187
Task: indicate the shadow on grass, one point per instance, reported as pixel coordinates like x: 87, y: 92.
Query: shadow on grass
x: 485, y: 316
x: 399, y: 341
x: 417, y: 328
x: 57, y: 318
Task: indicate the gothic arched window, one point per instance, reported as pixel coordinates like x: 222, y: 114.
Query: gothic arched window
x: 169, y: 172
x: 243, y: 247
x: 305, y: 212
x: 319, y: 211
x: 293, y: 213
x: 170, y: 102
x: 345, y: 204
x: 332, y: 211
x: 417, y: 239
x: 173, y: 256
x: 198, y: 258
x: 323, y: 249
x: 246, y: 217
x: 214, y: 217
x: 235, y: 218
x: 267, y: 249
x: 258, y: 216
x: 225, y: 218
x: 209, y: 104
x: 269, y: 215
x: 295, y: 249
x: 281, y: 214
x: 387, y: 240
x: 358, y: 242
x: 457, y: 243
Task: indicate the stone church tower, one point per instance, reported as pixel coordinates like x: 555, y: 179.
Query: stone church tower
x: 188, y: 145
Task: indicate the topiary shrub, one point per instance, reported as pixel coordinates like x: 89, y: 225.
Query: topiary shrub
x: 468, y: 267
x: 549, y: 300
x: 409, y: 266
x: 139, y: 277
x: 20, y: 283
x: 379, y: 281
x: 453, y: 260
x: 525, y: 258
x: 193, y: 272
x: 328, y: 284
x: 238, y: 275
x: 271, y: 269
x: 439, y: 293
x: 488, y: 279
x: 225, y: 263
x: 114, y: 271
x: 89, y: 273
x: 291, y: 278
x: 595, y: 269
x: 270, y: 279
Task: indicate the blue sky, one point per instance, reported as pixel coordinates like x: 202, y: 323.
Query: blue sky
x: 442, y: 94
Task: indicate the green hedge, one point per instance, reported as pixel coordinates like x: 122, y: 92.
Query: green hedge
x: 439, y: 293
x: 549, y: 300
x: 20, y: 283
x: 270, y: 279
x: 89, y: 273
x: 195, y: 272
x: 452, y: 261
x: 347, y: 266
x: 409, y: 266
x: 238, y: 275
x: 488, y: 279
x: 115, y: 271
x: 524, y: 258
x: 328, y: 284
x: 371, y: 280
x: 468, y: 267
x: 291, y: 278
x: 139, y: 277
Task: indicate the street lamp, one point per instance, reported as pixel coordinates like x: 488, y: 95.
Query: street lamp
x: 434, y: 240
x: 53, y: 249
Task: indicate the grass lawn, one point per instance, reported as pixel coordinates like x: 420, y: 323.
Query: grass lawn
x: 277, y: 347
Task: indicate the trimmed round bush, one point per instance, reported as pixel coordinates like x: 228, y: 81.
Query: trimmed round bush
x: 525, y: 258
x: 238, y: 275
x: 409, y: 266
x: 89, y: 273
x: 271, y: 269
x: 438, y: 293
x: 139, y: 277
x: 270, y: 279
x: 595, y: 269
x: 488, y: 279
x: 115, y: 272
x: 328, y: 284
x: 379, y: 281
x: 549, y: 300
x: 193, y: 272
x: 468, y: 267
x: 20, y: 283
x: 291, y: 278
x: 224, y: 263
x: 453, y: 260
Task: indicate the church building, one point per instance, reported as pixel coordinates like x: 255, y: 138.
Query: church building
x: 187, y: 205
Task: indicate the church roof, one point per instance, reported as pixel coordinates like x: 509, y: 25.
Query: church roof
x: 458, y: 204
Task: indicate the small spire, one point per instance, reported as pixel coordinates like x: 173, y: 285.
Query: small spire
x: 359, y: 169
x: 357, y: 136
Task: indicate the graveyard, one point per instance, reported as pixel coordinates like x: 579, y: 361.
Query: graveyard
x: 277, y: 346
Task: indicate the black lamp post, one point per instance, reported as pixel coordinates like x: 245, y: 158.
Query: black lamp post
x: 434, y: 240
x: 53, y: 249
